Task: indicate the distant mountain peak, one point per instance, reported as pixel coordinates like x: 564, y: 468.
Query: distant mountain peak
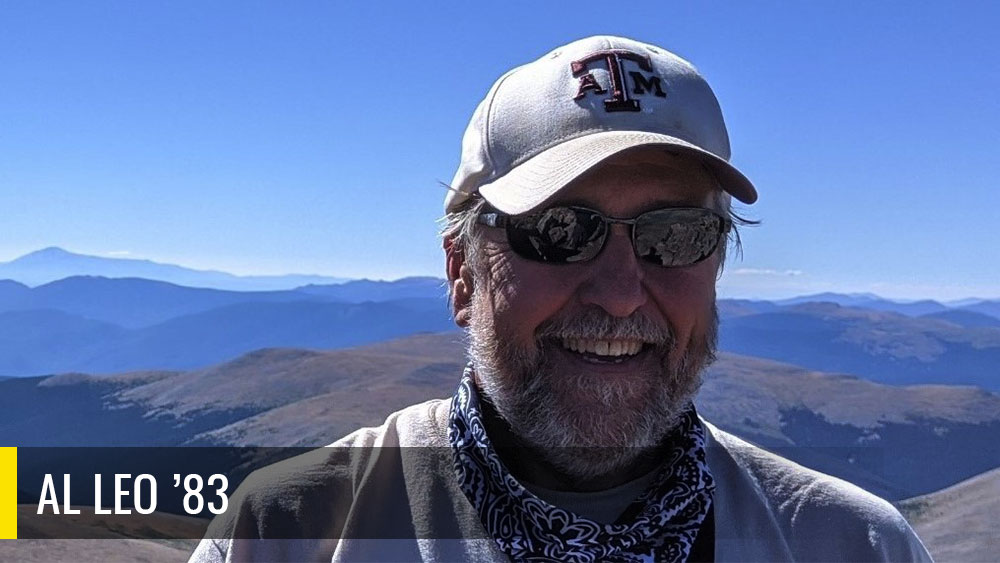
x: 48, y: 252
x: 54, y: 263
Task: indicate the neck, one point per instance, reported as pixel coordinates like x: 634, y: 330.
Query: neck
x: 529, y: 464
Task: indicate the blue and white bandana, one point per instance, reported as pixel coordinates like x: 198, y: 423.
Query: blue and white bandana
x: 667, y: 516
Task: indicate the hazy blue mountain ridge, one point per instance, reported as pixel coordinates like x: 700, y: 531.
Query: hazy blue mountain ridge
x: 991, y: 308
x: 47, y: 341
x: 44, y: 341
x: 882, y: 346
x: 377, y: 290
x: 139, y: 302
x: 136, y: 302
x: 966, y: 318
x: 102, y: 325
x: 12, y: 293
x: 53, y: 263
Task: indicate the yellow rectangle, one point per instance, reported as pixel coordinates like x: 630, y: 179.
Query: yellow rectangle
x: 8, y: 493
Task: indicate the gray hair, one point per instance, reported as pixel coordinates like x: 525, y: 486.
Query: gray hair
x: 461, y: 227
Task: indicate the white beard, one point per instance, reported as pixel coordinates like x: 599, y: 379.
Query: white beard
x: 620, y: 422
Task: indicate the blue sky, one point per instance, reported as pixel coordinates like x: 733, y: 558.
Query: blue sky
x: 266, y: 137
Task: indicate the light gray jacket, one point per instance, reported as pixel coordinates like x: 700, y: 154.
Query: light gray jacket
x: 397, y: 481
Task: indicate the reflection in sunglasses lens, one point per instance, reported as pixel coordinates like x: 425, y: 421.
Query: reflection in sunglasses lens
x: 667, y: 237
x: 677, y: 237
x: 558, y: 234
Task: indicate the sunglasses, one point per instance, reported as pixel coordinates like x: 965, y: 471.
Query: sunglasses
x: 671, y: 237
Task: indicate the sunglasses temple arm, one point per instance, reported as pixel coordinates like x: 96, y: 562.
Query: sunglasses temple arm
x: 492, y: 220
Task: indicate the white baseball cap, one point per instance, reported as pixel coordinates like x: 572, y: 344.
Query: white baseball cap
x: 545, y: 123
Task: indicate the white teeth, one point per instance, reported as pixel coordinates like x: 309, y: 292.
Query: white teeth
x: 603, y: 347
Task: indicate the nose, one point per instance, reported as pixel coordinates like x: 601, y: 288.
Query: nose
x: 615, y: 279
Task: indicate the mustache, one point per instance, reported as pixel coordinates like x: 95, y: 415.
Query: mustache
x: 595, y: 324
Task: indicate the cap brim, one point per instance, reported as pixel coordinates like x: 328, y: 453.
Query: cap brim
x: 537, y: 179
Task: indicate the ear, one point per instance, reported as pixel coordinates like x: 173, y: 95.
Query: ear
x: 460, y: 282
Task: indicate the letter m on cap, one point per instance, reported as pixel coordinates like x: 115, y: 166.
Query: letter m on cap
x: 613, y: 60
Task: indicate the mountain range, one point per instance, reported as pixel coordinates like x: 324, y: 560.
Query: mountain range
x: 892, y: 440
x: 139, y: 302
x: 883, y: 346
x: 107, y: 325
x: 872, y: 301
x: 48, y: 341
x: 54, y: 263
x: 207, y: 358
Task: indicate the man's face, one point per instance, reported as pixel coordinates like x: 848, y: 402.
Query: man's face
x: 527, y: 317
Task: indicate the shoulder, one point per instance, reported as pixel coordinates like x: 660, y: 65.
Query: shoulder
x: 820, y: 513
x: 309, y: 495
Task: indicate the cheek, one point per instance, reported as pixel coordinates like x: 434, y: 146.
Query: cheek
x: 525, y: 294
x: 686, y: 298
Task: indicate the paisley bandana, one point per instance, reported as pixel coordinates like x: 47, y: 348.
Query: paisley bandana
x: 667, y: 516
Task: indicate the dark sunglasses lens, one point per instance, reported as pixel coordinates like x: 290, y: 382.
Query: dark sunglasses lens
x: 557, y: 234
x: 677, y: 237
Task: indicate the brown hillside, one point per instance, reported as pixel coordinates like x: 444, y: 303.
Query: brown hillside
x: 960, y: 523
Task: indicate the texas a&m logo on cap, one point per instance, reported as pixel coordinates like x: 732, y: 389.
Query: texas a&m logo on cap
x: 614, y: 60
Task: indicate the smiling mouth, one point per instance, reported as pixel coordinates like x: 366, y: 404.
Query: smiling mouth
x: 604, y: 351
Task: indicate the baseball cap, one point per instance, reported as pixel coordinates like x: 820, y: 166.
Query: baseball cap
x: 545, y: 123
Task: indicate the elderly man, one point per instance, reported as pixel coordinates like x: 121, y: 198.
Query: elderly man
x: 585, y: 230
